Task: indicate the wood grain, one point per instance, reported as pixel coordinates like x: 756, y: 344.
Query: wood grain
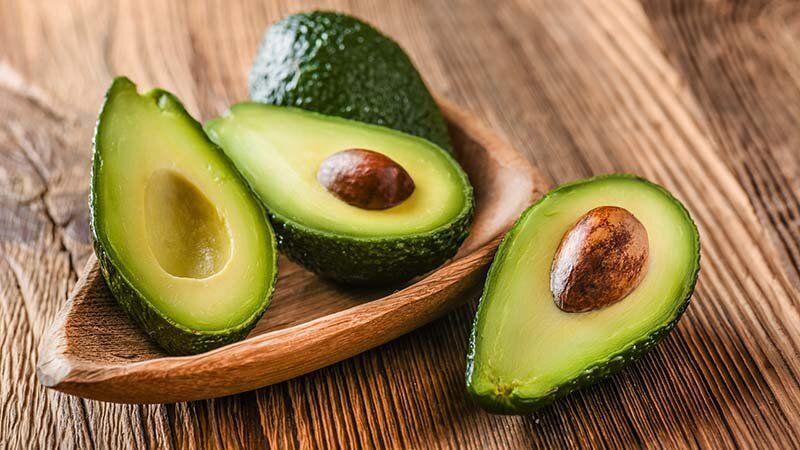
x: 699, y: 95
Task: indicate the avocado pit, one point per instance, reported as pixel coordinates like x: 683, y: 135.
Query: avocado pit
x: 365, y: 179
x: 601, y: 259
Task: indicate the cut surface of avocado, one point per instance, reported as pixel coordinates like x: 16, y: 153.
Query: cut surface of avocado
x: 524, y: 350
x: 183, y: 243
x: 280, y: 150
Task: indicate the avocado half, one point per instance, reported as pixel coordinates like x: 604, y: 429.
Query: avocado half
x: 524, y: 351
x: 184, y: 246
x: 279, y: 150
x: 335, y: 64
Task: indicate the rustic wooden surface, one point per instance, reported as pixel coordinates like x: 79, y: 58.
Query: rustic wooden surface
x: 702, y: 96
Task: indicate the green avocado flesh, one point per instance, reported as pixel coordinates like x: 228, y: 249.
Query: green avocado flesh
x: 279, y: 150
x: 337, y: 65
x: 185, y: 247
x: 524, y: 350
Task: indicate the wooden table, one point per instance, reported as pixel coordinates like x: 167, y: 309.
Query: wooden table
x: 701, y: 96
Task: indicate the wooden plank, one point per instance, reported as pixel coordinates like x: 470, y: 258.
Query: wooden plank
x: 741, y: 62
x: 698, y: 95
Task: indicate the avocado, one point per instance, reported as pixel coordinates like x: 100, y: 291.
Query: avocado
x: 589, y: 278
x: 337, y: 65
x: 184, y: 246
x: 340, y: 210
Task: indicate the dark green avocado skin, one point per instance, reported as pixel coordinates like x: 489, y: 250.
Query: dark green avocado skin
x: 337, y: 65
x: 512, y: 404
x: 503, y: 404
x: 371, y: 261
x: 173, y: 337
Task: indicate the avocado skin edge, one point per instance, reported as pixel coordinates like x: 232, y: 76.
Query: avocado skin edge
x: 512, y: 404
x: 174, y: 338
x: 373, y: 261
x: 338, y: 65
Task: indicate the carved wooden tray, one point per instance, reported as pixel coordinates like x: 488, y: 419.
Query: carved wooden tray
x: 93, y: 350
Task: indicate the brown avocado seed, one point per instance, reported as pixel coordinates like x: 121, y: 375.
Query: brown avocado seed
x: 365, y: 179
x: 600, y: 260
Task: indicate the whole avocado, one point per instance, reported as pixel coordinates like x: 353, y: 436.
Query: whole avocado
x: 335, y: 64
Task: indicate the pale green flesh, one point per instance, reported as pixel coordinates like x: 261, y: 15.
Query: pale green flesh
x: 174, y: 217
x: 524, y: 344
x: 279, y: 150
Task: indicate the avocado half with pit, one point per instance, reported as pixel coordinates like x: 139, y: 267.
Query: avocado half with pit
x: 184, y: 246
x: 356, y: 203
x: 588, y: 279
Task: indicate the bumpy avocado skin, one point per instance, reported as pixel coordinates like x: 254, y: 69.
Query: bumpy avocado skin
x: 337, y: 65
x: 371, y: 261
x: 501, y: 403
x: 173, y: 337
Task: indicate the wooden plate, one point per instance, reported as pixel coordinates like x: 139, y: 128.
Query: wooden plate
x: 93, y: 350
